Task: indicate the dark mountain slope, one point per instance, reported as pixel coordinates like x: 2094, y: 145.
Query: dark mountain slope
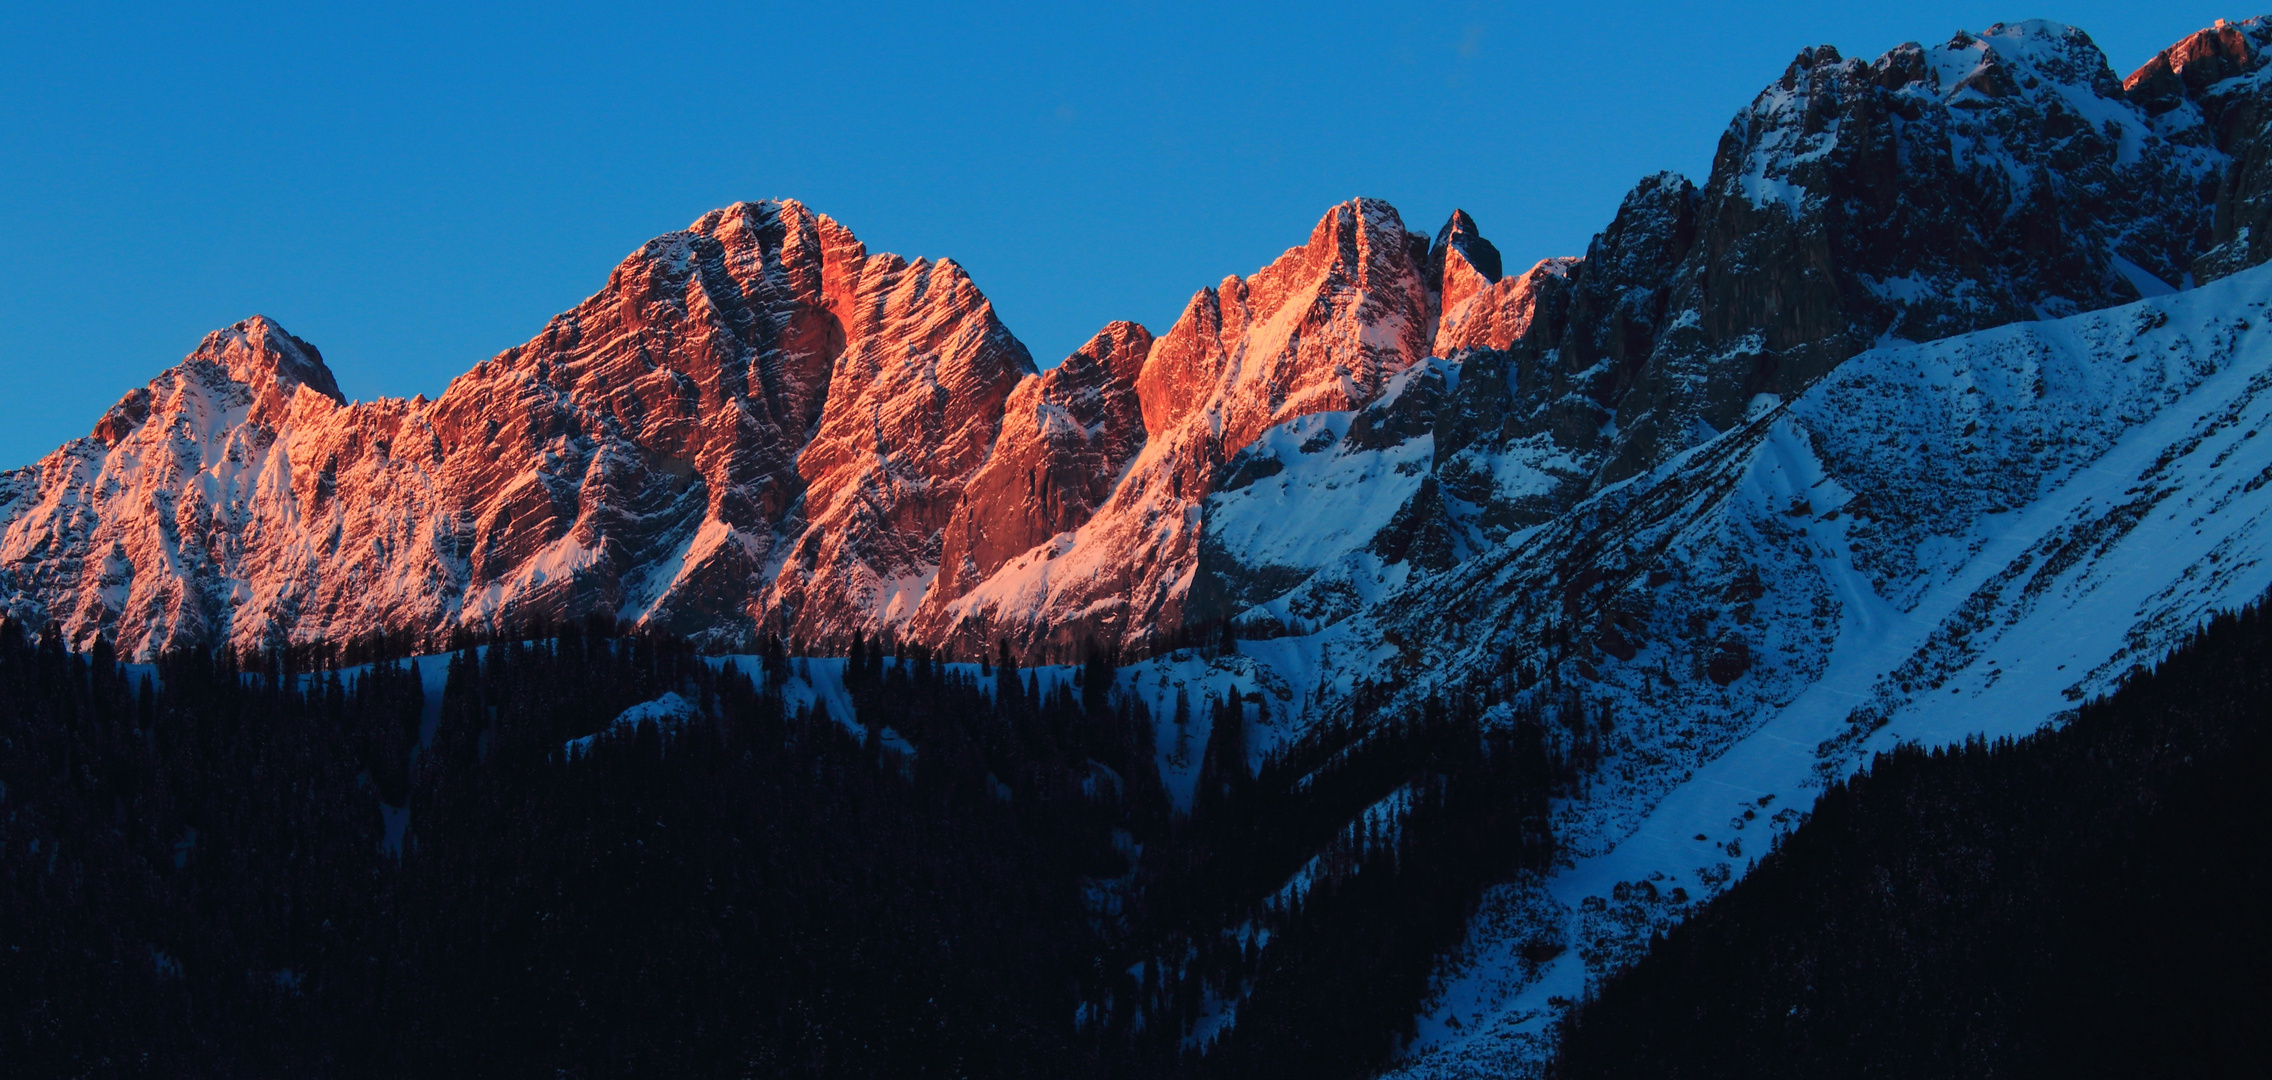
x: 2087, y: 901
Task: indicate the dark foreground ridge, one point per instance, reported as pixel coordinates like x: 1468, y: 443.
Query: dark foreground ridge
x: 199, y: 880
x: 2087, y: 901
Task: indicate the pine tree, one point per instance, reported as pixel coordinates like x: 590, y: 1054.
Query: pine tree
x: 1180, y: 756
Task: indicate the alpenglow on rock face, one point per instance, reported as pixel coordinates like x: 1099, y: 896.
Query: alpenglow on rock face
x: 757, y: 428
x: 1323, y: 328
x: 755, y: 424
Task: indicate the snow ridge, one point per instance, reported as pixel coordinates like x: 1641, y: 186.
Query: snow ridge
x: 1967, y: 537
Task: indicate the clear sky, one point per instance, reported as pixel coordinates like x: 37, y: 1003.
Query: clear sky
x: 415, y: 190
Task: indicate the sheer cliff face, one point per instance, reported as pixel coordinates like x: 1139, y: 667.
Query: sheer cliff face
x: 758, y: 426
x: 639, y: 454
x: 2221, y: 74
x: 915, y: 405
x: 1484, y: 314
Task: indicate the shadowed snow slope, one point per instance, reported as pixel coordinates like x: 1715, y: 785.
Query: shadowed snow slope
x: 1964, y: 537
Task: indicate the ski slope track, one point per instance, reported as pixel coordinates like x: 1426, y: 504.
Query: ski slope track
x: 1967, y: 537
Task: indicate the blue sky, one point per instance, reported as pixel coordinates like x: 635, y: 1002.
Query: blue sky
x: 418, y: 189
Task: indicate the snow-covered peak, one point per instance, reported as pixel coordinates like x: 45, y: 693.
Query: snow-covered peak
x: 2017, y: 89
x: 2001, y: 60
x: 260, y: 353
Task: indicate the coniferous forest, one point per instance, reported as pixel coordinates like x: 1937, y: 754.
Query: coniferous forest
x: 272, y: 866
x: 200, y: 877
x: 2087, y: 901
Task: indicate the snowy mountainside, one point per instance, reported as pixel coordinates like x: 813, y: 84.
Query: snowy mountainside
x: 1283, y: 544
x: 1963, y: 537
x: 1933, y: 191
x: 1851, y: 204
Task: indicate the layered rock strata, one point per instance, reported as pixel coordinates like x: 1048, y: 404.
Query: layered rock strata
x: 758, y: 428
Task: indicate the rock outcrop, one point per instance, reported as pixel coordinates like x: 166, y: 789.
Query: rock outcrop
x: 2221, y: 74
x: 757, y: 428
x: 1067, y: 436
x: 1323, y: 328
x: 754, y: 427
x: 1480, y: 314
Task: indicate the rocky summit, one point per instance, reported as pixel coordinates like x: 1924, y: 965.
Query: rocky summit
x: 759, y: 429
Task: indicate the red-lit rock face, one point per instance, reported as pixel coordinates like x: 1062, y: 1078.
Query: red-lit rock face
x: 754, y: 427
x: 753, y: 424
x: 2190, y: 67
x: 1496, y: 315
x: 1319, y: 329
x: 914, y: 408
x: 1067, y: 435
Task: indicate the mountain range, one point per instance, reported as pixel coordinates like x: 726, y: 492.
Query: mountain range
x: 1931, y: 412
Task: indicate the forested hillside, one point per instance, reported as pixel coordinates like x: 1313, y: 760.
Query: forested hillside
x: 197, y: 884
x: 624, y: 859
x: 2086, y: 901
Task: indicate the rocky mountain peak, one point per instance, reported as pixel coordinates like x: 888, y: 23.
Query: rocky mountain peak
x: 1119, y: 350
x: 2187, y: 70
x: 1998, y: 177
x: 1329, y: 319
x: 1618, y: 301
x: 1327, y: 326
x: 1067, y: 435
x: 1460, y: 241
x: 753, y: 424
x: 757, y: 426
x: 260, y: 354
x: 1802, y: 66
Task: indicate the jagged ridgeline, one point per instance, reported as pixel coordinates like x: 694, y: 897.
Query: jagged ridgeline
x: 757, y: 427
x: 767, y: 668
